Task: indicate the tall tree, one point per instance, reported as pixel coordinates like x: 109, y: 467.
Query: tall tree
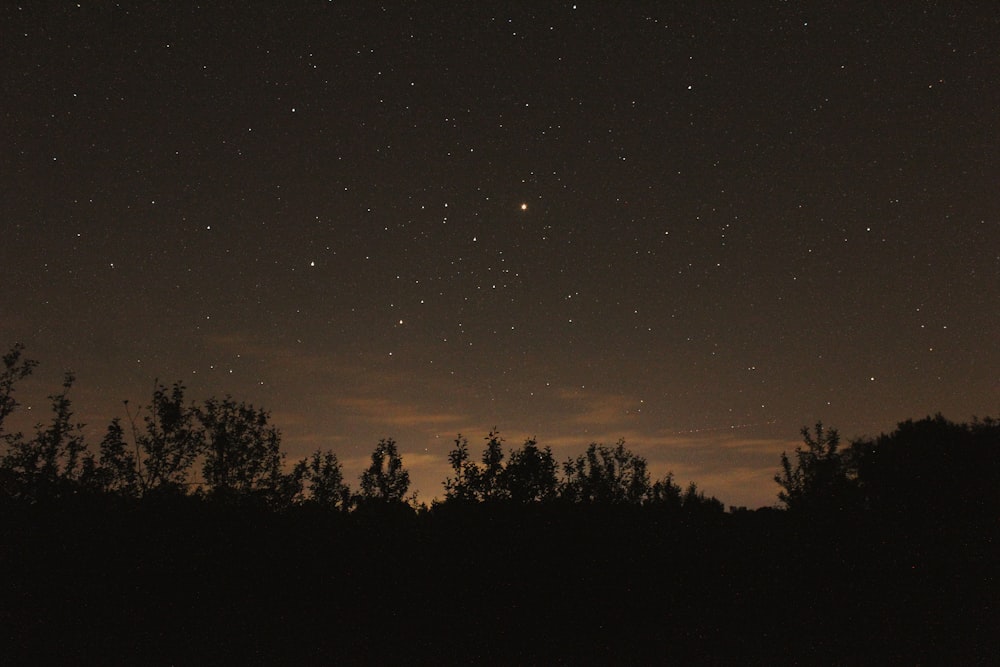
x: 464, y: 485
x: 694, y: 500
x: 386, y: 479
x: 931, y: 467
x: 171, y: 441
x: 606, y: 475
x: 242, y: 450
x: 489, y: 480
x: 50, y: 464
x: 819, y: 479
x: 530, y: 475
x: 323, y: 480
x: 666, y: 493
x: 117, y: 470
x: 15, y: 368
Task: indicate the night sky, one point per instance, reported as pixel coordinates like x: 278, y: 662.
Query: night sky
x: 696, y: 226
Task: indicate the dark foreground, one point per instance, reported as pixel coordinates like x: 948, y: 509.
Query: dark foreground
x: 188, y: 583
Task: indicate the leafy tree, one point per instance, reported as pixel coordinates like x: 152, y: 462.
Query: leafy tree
x: 464, y: 485
x: 694, y: 500
x: 171, y: 442
x: 820, y: 479
x: 50, y: 464
x: 666, y: 493
x: 323, y: 480
x: 931, y: 466
x: 15, y: 369
x: 116, y: 470
x: 242, y: 450
x: 607, y: 475
x: 386, y: 479
x: 530, y: 475
x: 489, y: 480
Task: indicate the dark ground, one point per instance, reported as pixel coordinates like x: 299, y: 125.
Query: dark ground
x: 190, y: 583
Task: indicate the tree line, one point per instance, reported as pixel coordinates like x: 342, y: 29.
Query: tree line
x: 930, y: 467
x: 159, y: 449
x: 185, y: 537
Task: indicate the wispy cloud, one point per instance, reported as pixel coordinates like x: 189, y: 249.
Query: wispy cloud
x: 384, y: 411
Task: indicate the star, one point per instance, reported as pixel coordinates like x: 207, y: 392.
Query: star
x: 684, y: 271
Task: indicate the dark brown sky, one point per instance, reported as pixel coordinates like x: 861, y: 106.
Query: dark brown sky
x: 740, y: 218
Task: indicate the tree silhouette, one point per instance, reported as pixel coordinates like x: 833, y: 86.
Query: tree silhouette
x: 322, y: 480
x: 694, y: 500
x: 607, y: 475
x: 15, y: 368
x: 919, y: 556
x: 52, y: 463
x: 385, y: 480
x: 819, y: 479
x: 489, y: 480
x: 242, y: 450
x: 171, y: 442
x: 530, y: 475
x: 931, y: 467
x: 463, y: 486
x: 666, y: 493
x: 476, y: 481
x: 117, y: 471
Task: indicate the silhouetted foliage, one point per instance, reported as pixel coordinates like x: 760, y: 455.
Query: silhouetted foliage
x: 117, y: 471
x: 820, y: 479
x: 694, y: 500
x: 530, y: 474
x: 322, y: 481
x: 51, y: 464
x: 126, y: 554
x: 931, y: 467
x: 239, y: 450
x: 170, y: 443
x: 15, y: 368
x: 242, y: 450
x: 489, y: 477
x: 927, y: 468
x: 461, y: 487
x: 607, y: 475
x: 601, y: 476
x: 666, y: 493
x: 385, y: 480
